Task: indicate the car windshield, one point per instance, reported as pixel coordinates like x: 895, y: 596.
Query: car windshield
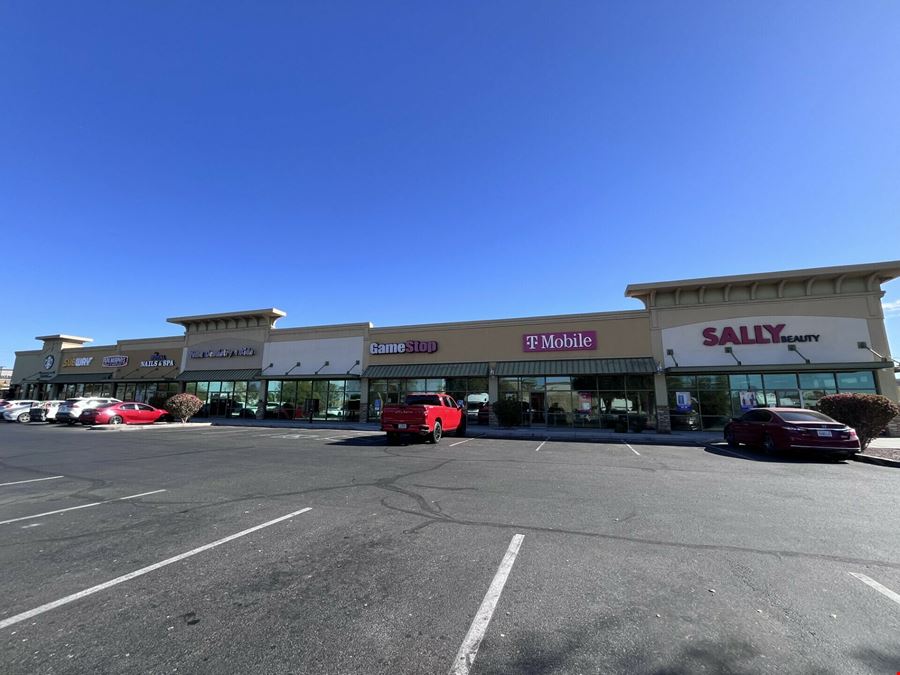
x: 804, y: 416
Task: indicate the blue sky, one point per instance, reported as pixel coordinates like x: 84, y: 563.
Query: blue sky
x: 411, y: 162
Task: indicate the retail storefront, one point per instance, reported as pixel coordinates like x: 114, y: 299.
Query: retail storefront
x: 699, y: 352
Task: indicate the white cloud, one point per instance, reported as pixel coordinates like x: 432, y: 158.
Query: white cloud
x: 891, y: 307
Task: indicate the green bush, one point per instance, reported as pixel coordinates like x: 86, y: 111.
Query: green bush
x: 869, y: 414
x: 508, y: 411
x: 183, y: 406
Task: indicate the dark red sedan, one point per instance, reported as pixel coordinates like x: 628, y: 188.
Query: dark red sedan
x: 122, y: 413
x: 774, y: 429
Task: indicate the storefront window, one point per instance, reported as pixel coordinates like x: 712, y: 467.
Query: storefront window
x: 780, y: 381
x: 817, y: 381
x: 859, y: 381
x: 746, y: 381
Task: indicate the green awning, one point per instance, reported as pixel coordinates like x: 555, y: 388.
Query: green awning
x: 244, y: 374
x: 637, y: 366
x: 86, y: 378
x: 418, y: 370
x: 150, y: 375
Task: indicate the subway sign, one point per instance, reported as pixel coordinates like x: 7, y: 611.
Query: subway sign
x: 408, y: 347
x: 78, y: 362
x: 583, y: 340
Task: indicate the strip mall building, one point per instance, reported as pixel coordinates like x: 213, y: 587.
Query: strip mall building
x: 699, y: 352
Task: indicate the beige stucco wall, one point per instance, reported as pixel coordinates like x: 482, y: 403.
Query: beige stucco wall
x: 619, y: 334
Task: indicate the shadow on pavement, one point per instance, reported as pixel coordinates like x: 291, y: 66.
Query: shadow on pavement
x: 782, y: 457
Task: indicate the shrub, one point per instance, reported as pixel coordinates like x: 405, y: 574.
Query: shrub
x: 183, y: 406
x: 869, y: 414
x: 508, y: 411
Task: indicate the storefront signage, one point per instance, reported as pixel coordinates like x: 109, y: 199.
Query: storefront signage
x: 560, y: 342
x: 158, y: 360
x: 758, y: 334
x: 408, y: 347
x: 49, y: 360
x: 115, y: 361
x: 78, y: 362
x: 221, y: 353
x: 748, y: 400
x: 683, y: 401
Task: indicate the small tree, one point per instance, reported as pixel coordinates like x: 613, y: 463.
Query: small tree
x: 183, y: 406
x: 508, y: 411
x: 869, y: 414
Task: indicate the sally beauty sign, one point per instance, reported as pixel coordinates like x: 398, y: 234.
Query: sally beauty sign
x: 583, y: 340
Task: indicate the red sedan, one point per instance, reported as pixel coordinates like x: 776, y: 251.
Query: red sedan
x: 774, y: 429
x: 122, y: 413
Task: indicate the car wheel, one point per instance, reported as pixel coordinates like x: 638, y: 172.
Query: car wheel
x: 436, y: 433
x: 115, y: 419
x: 729, y: 438
x: 24, y: 418
x: 769, y: 445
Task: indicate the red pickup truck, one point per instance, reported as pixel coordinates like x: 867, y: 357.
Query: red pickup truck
x: 428, y: 415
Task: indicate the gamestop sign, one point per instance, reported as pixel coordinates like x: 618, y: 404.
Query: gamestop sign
x: 408, y: 347
x: 583, y: 340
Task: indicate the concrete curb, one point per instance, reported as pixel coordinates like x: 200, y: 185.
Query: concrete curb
x: 872, y: 459
x: 145, y: 427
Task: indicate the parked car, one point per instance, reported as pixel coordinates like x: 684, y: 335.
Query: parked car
x: 122, y: 413
x: 71, y: 409
x: 774, y: 429
x: 45, y: 411
x: 19, y: 411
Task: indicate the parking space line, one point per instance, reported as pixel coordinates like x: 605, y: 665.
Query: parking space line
x: 24, y: 616
x: 33, y: 480
x: 465, y: 657
x: 632, y: 449
x: 538, y: 448
x: 460, y: 442
x: 886, y: 592
x: 75, y: 508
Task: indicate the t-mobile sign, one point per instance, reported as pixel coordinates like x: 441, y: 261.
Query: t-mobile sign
x: 583, y: 340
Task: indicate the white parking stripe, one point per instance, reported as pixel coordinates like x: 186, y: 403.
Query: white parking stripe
x: 75, y: 508
x: 538, y: 448
x: 886, y: 592
x: 465, y: 657
x: 461, y: 442
x: 633, y: 450
x: 24, y: 616
x: 33, y: 480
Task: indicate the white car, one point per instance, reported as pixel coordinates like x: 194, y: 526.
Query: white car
x: 45, y: 411
x: 19, y: 411
x: 71, y: 408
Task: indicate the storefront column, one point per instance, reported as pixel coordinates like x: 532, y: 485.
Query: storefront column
x: 364, y: 400
x: 263, y: 403
x: 663, y: 421
x: 493, y: 392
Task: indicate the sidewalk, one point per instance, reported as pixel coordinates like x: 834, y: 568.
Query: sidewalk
x: 692, y: 438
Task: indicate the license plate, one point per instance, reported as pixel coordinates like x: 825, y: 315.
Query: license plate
x: 824, y: 432
x: 403, y: 426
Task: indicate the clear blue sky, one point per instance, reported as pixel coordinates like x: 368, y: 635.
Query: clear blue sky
x: 341, y: 161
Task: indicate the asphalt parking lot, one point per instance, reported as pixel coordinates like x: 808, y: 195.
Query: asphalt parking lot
x: 239, y: 550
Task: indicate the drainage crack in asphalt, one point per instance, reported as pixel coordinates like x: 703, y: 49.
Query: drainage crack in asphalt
x: 432, y: 518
